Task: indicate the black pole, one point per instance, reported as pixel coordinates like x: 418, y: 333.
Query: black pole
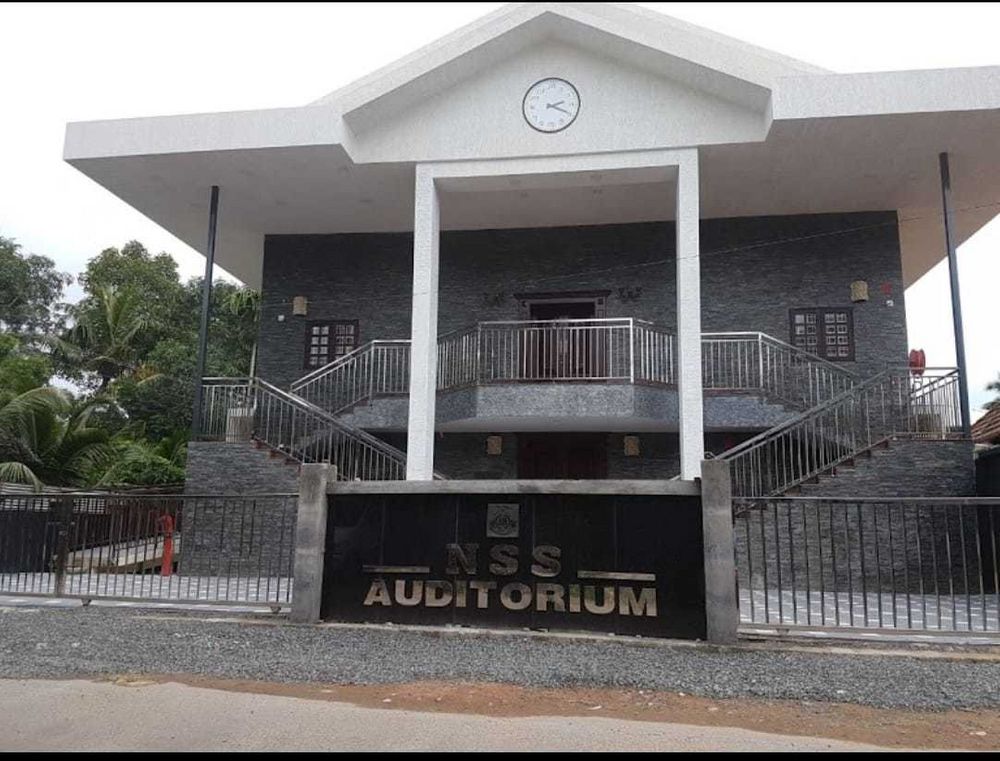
x: 206, y: 305
x: 956, y: 299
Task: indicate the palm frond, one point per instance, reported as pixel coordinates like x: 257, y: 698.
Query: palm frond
x: 19, y: 473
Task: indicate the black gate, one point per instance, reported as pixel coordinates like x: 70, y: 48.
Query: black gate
x: 624, y: 564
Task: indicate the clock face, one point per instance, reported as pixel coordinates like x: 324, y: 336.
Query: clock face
x: 551, y: 105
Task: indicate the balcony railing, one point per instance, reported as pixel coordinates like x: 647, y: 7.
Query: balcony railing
x: 613, y: 350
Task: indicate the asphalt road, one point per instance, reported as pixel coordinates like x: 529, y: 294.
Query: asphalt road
x: 44, y: 715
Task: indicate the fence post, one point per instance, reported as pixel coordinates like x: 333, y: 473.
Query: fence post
x: 64, y: 517
x: 721, y: 607
x: 310, y: 542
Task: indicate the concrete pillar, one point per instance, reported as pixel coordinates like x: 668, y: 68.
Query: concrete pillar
x: 692, y: 437
x: 721, y: 607
x: 424, y: 329
x: 310, y: 542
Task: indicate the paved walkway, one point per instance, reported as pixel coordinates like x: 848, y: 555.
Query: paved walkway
x: 88, y: 716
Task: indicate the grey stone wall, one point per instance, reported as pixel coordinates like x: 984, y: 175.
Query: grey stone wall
x: 463, y: 455
x: 215, y: 467
x: 238, y: 536
x: 753, y: 271
x: 906, y: 469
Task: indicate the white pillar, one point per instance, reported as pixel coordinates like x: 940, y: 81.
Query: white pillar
x: 423, y: 330
x: 692, y: 437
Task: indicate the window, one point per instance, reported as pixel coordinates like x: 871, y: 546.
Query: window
x: 325, y: 341
x: 827, y: 332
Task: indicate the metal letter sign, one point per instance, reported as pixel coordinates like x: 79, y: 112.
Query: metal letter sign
x: 631, y: 565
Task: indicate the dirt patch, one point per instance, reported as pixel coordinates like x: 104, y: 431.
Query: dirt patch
x: 892, y: 728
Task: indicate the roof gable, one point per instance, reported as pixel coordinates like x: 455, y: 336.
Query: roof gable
x: 695, y: 57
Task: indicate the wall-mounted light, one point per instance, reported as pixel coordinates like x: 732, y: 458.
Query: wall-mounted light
x: 859, y: 290
x: 631, y: 446
x: 494, y: 445
x: 300, y: 306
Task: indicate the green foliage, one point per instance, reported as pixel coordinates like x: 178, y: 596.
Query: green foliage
x: 163, y: 402
x: 995, y: 387
x: 131, y: 348
x: 138, y: 463
x: 30, y: 291
x: 45, y: 439
x: 107, y: 340
x: 21, y: 369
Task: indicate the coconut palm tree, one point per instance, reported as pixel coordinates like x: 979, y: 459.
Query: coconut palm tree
x: 45, y: 439
x: 244, y: 304
x: 103, y: 341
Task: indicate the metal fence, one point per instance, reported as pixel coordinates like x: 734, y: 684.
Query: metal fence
x: 151, y: 547
x: 925, y: 564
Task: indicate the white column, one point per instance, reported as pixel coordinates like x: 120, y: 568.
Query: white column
x: 692, y: 437
x: 423, y: 331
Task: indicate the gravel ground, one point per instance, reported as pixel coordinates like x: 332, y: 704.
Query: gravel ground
x: 93, y: 641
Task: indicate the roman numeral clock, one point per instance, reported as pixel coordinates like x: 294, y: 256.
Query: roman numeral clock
x: 551, y: 105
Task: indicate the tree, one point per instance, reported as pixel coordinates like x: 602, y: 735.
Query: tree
x: 995, y: 387
x: 21, y: 369
x: 30, y: 291
x: 45, y: 439
x: 153, y: 282
x: 107, y: 339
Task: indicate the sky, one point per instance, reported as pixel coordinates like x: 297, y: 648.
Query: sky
x: 68, y: 62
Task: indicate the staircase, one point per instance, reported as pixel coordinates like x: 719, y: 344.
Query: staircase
x: 840, y: 431
x: 249, y: 409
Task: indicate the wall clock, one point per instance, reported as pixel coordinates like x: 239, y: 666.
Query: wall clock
x: 551, y: 105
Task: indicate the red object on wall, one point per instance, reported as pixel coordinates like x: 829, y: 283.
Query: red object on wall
x: 918, y: 361
x: 886, y: 289
x: 167, y: 567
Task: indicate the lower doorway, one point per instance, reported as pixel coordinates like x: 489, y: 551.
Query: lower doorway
x: 562, y: 455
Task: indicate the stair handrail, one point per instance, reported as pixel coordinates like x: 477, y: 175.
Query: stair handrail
x: 779, y: 370
x: 805, y: 446
x: 251, y: 408
x: 378, y: 367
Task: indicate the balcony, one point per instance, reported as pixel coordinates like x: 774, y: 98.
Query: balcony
x: 603, y: 374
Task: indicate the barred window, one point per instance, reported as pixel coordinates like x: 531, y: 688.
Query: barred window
x: 329, y: 339
x: 827, y: 332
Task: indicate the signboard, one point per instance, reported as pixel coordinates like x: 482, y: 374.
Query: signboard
x: 631, y: 565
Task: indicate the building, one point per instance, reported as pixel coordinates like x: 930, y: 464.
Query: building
x: 581, y: 241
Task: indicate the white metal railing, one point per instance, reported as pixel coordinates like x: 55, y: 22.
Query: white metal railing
x: 249, y: 409
x: 893, y: 404
x: 611, y: 350
x: 757, y: 362
x: 539, y: 350
x: 377, y: 368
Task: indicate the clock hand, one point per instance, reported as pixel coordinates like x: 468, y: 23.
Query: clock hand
x: 556, y: 107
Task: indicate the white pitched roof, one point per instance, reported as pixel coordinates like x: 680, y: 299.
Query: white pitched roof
x: 684, y: 50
